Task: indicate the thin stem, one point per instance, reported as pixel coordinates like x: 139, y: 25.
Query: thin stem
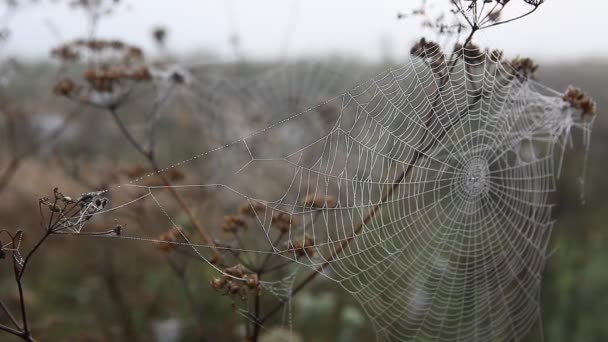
x: 9, y: 314
x: 31, y: 253
x: 513, y: 19
x: 257, y: 310
x: 470, y: 37
x: 12, y: 331
x: 180, y: 201
x: 125, y: 132
x: 461, y: 11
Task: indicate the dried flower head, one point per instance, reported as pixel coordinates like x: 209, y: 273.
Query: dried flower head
x: 233, y: 224
x: 65, y: 87
x: 252, y: 209
x: 304, y: 247
x: 165, y: 241
x: 581, y: 101
x: 283, y: 222
x: 524, y: 67
x: 118, y: 67
x: 237, y: 271
x: 236, y: 282
x: 424, y: 48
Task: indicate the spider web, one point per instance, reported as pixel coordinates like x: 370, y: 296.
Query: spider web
x: 442, y: 175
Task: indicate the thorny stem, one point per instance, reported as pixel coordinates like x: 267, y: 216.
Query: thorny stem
x: 149, y: 155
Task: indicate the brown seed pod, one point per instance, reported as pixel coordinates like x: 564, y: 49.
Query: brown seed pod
x: 581, y: 101
x: 252, y: 209
x: 236, y: 271
x: 252, y: 281
x: 65, y: 87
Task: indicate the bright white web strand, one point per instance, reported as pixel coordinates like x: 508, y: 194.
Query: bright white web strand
x: 457, y: 252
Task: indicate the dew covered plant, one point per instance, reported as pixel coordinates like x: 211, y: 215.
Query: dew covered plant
x: 424, y: 191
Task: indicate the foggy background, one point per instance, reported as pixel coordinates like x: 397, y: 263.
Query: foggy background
x: 560, y: 29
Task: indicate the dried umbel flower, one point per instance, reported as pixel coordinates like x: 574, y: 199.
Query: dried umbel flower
x: 66, y: 53
x: 579, y: 100
x: 236, y: 282
x: 118, y: 67
x: 283, y: 222
x: 237, y: 271
x: 496, y: 56
x: 167, y: 239
x: 524, y: 67
x: 233, y: 224
x: 219, y: 283
x: 424, y: 48
x: 320, y: 201
x: 252, y: 281
x: 304, y: 247
x: 252, y: 209
x: 65, y: 87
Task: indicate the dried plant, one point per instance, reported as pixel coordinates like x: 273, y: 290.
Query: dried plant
x: 59, y: 215
x: 115, y: 68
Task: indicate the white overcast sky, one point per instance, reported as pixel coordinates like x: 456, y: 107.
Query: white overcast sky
x: 561, y: 29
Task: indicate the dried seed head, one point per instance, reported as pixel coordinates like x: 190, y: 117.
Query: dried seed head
x: 252, y: 281
x: 141, y: 74
x: 283, y: 221
x: 232, y: 224
x: 524, y: 67
x: 167, y: 239
x: 581, y: 101
x: 252, y: 209
x: 234, y: 288
x: 236, y: 271
x: 424, y: 48
x: 304, y: 247
x: 218, y: 283
x: 65, y: 87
